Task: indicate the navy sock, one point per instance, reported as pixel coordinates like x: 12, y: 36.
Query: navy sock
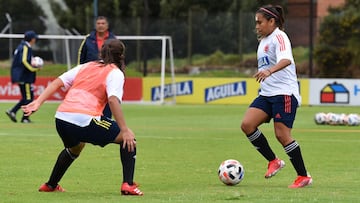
x: 294, y: 153
x: 128, y: 164
x: 259, y: 141
x: 63, y: 162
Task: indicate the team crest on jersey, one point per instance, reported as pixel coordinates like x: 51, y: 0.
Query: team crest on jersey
x: 266, y: 48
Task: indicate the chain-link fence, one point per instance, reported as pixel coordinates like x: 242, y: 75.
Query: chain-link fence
x: 199, y: 33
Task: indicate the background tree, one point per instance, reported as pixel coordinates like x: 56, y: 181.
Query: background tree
x: 197, y: 27
x: 24, y: 16
x: 338, y: 49
x: 22, y: 11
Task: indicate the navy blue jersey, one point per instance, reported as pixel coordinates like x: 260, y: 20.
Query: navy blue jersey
x: 89, y: 50
x: 21, y: 69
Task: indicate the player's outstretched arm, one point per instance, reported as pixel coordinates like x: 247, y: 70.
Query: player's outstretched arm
x: 49, y: 90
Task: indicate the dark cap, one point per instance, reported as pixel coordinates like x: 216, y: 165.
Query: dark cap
x: 29, y: 35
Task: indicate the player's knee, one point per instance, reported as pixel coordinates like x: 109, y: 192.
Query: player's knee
x: 76, y: 150
x: 71, y: 154
x: 246, y: 126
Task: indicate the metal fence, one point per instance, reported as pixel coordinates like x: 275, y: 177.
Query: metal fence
x: 203, y: 33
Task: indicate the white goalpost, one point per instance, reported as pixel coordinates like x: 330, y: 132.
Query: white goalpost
x: 166, y: 46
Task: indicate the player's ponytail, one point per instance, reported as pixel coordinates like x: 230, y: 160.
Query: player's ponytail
x: 281, y: 22
x: 113, y: 51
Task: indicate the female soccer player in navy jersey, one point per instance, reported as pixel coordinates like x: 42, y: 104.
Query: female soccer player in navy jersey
x: 79, y: 118
x: 279, y: 95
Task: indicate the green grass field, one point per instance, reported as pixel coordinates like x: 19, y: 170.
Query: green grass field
x: 179, y: 150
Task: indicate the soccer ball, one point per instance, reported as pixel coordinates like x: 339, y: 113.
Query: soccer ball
x: 343, y: 119
x: 332, y: 118
x: 353, y: 120
x: 231, y: 172
x: 320, y: 118
x: 37, y: 62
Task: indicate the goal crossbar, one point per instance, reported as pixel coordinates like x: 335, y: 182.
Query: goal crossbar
x: 164, y: 40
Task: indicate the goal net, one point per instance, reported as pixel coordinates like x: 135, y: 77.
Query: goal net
x: 64, y: 49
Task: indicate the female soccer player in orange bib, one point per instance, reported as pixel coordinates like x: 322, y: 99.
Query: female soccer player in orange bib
x: 79, y: 118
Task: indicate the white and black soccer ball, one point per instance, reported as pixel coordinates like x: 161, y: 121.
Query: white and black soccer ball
x: 231, y: 172
x: 37, y: 62
x: 343, y: 119
x: 353, y: 119
x: 320, y: 118
x: 332, y: 118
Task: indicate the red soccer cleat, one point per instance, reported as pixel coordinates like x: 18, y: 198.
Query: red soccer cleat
x: 301, y: 181
x: 136, y: 184
x: 45, y: 188
x: 127, y: 189
x: 274, y: 166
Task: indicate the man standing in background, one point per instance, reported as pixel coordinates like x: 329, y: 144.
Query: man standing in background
x: 90, y: 47
x: 24, y: 74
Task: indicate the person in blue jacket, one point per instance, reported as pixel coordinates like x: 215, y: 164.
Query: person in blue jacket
x: 23, y: 74
x: 90, y: 47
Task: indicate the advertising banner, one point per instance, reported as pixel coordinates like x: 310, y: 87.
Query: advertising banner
x: 203, y: 90
x: 9, y: 91
x: 334, y: 92
x: 133, y: 89
x: 189, y: 90
x: 209, y: 90
x: 304, y: 85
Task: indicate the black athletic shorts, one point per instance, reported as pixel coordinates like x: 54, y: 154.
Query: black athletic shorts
x: 98, y: 132
x: 281, y: 108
